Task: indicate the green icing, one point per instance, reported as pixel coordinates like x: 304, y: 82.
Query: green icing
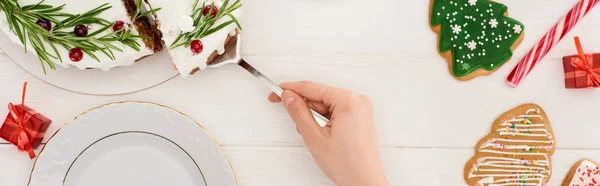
x: 477, y: 33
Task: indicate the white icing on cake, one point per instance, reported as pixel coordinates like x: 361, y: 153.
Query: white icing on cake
x: 185, y: 23
x: 116, y: 13
x: 182, y: 57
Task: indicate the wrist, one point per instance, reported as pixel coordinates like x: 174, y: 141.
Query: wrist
x: 370, y: 180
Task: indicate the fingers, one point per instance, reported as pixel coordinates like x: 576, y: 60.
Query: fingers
x: 319, y: 107
x: 298, y: 110
x: 312, y: 91
x: 366, y: 102
x: 274, y: 98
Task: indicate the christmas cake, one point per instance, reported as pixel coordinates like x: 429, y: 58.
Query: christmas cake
x: 86, y: 34
x: 196, y: 31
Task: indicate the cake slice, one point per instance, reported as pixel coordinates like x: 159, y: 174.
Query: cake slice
x: 85, y: 34
x: 196, y: 31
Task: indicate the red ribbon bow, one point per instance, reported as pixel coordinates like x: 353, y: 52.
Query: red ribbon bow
x: 584, y: 65
x: 18, y: 117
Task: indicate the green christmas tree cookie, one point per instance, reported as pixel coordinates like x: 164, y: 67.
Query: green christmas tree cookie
x: 474, y: 35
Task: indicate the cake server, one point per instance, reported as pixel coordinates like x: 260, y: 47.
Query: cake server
x: 232, y: 56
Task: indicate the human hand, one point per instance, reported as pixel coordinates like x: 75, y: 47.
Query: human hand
x: 346, y: 149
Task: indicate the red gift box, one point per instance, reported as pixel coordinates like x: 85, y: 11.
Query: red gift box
x: 582, y: 77
x: 583, y: 70
x: 24, y: 127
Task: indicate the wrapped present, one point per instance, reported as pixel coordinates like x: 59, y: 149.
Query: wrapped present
x: 24, y: 127
x: 582, y: 70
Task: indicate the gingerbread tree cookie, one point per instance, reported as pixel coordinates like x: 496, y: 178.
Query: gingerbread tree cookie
x: 517, y: 152
x: 475, y: 36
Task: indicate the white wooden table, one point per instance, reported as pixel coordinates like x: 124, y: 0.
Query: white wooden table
x: 428, y: 122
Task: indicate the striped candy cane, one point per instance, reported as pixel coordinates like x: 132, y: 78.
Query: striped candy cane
x: 549, y: 40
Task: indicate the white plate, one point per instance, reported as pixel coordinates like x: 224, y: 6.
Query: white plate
x: 131, y: 144
x: 144, y: 74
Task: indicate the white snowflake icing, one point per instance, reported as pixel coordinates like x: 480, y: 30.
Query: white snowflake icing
x: 456, y: 29
x: 472, y: 45
x: 466, y: 66
x: 472, y: 2
x: 494, y: 23
x: 517, y: 29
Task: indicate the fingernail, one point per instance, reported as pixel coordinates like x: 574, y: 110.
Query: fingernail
x: 287, y: 98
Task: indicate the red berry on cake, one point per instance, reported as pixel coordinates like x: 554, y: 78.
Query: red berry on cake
x: 118, y: 25
x: 196, y: 46
x: 76, y: 54
x: 81, y: 31
x: 213, y: 13
x: 46, y: 24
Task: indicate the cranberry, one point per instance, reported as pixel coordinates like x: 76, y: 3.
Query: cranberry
x: 213, y: 13
x: 118, y: 25
x: 196, y: 46
x: 76, y: 54
x: 46, y: 24
x: 81, y: 30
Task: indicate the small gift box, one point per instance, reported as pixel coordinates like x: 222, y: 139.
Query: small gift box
x: 24, y: 127
x: 583, y: 70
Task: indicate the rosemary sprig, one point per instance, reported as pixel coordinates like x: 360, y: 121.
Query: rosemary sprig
x: 139, y: 13
x: 205, y: 25
x: 22, y: 21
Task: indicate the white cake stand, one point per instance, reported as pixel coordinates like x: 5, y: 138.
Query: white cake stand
x: 144, y: 74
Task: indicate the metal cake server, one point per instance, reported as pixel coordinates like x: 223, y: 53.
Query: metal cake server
x: 232, y: 56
